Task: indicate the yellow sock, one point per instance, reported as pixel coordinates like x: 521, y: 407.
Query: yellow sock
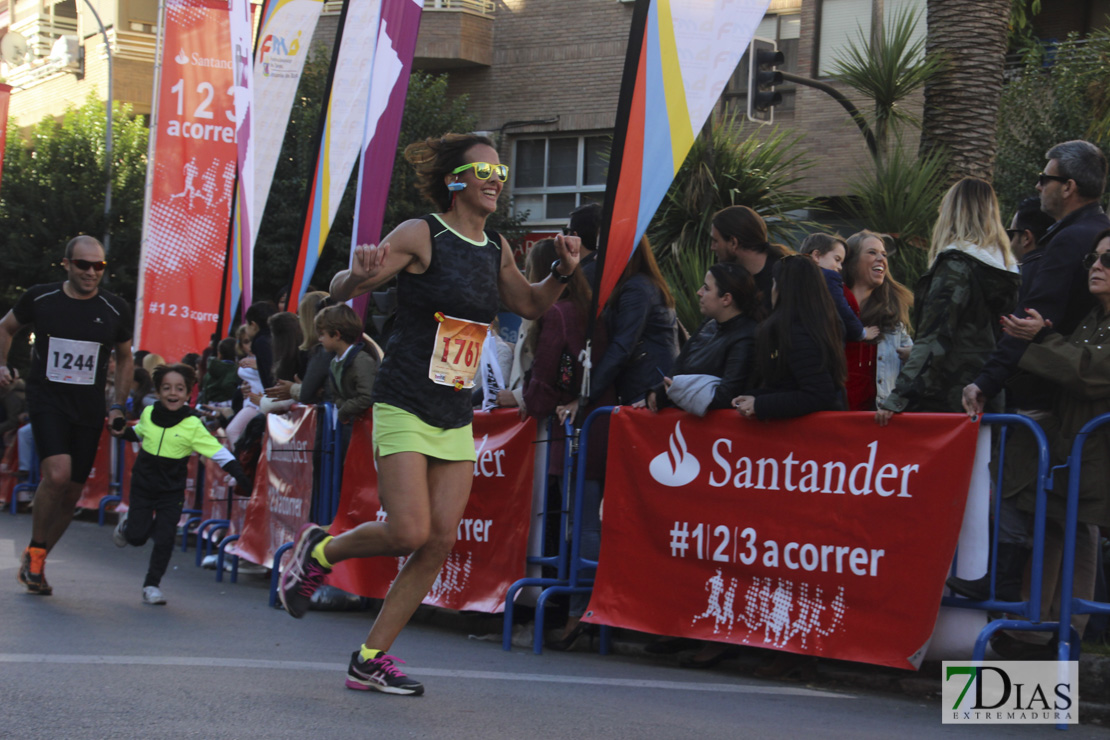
x: 318, y: 552
x: 366, y: 653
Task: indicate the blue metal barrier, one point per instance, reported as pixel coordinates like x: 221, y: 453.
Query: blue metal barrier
x: 327, y: 502
x: 116, y: 484
x: 1069, y: 642
x: 34, y: 475
x: 204, y: 541
x: 558, y: 560
x: 221, y: 552
x: 275, y: 573
x: 576, y: 583
x: 191, y: 521
x: 1030, y: 609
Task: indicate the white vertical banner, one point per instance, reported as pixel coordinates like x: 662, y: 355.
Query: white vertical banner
x: 243, y: 234
x: 285, y: 35
x: 341, y: 138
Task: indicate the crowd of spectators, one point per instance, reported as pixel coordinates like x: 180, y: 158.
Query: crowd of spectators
x: 786, y: 333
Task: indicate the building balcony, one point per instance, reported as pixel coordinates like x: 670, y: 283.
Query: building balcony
x: 455, y: 34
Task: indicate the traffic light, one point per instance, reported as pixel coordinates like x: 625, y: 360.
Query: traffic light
x: 763, y: 57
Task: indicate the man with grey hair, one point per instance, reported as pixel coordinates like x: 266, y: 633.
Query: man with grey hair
x: 1054, y: 282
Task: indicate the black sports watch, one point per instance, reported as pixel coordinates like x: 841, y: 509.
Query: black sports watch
x: 564, y: 279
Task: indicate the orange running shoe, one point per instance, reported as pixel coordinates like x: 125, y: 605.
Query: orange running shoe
x: 31, y: 573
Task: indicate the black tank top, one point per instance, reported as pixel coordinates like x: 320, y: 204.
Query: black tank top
x: 461, y: 281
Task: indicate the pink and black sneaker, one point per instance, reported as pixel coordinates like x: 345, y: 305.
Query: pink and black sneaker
x: 380, y: 674
x: 304, y: 574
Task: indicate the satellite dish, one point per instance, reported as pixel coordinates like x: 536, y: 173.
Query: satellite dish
x: 13, y: 48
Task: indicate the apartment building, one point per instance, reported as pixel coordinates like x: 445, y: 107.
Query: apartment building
x: 543, y: 76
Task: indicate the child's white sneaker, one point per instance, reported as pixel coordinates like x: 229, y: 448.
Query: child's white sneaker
x: 153, y: 595
x: 117, y: 534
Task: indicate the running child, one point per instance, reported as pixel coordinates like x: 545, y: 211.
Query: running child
x: 829, y: 252
x: 169, y: 431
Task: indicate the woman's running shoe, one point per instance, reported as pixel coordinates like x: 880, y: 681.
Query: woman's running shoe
x: 380, y: 674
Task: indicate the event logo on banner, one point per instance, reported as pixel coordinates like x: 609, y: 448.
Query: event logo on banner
x: 492, y: 538
x: 282, y: 496
x: 826, y: 535
x: 189, y: 178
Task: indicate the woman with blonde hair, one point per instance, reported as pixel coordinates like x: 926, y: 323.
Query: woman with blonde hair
x: 972, y: 280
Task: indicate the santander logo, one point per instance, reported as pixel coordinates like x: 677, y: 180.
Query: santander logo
x: 182, y: 57
x: 676, y: 467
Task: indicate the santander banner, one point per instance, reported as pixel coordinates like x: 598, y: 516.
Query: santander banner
x: 826, y: 535
x: 489, y: 554
x: 189, y: 182
x: 282, y: 494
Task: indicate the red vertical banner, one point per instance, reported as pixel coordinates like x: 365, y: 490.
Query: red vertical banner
x: 492, y: 538
x: 190, y: 178
x: 5, y: 98
x: 282, y: 496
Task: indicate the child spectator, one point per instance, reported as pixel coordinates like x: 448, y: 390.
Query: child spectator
x: 353, y: 370
x: 829, y: 252
x: 221, y: 381
x: 169, y: 432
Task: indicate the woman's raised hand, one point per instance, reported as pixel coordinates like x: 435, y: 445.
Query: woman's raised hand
x: 368, y: 260
x: 569, y: 251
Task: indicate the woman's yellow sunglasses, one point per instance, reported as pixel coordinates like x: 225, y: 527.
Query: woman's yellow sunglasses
x: 483, y: 170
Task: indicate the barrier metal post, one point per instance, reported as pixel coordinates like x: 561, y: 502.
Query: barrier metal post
x: 337, y: 460
x: 576, y: 563
x: 327, y: 443
x: 559, y: 559
x: 1069, y: 642
x: 116, y: 484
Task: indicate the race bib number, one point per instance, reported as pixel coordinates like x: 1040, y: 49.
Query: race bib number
x: 457, y: 352
x: 72, y: 361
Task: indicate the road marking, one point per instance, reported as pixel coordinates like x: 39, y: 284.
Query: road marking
x: 7, y: 546
x: 293, y: 665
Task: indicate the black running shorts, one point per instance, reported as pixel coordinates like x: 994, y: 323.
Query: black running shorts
x: 56, y: 435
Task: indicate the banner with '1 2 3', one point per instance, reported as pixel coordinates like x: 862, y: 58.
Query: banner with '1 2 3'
x: 825, y: 535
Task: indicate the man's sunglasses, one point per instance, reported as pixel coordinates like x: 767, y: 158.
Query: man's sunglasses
x: 1013, y: 233
x: 84, y: 265
x: 483, y: 170
x: 1090, y: 260
x: 1045, y: 178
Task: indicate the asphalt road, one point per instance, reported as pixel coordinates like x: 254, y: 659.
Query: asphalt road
x: 92, y: 661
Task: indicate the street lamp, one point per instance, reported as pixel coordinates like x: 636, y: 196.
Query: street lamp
x: 108, y: 129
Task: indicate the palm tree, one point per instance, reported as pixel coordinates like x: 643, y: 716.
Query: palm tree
x: 961, y: 105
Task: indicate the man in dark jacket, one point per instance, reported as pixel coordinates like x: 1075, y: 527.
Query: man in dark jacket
x: 1054, y: 283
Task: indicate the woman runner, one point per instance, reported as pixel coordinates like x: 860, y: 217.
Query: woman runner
x: 451, y: 275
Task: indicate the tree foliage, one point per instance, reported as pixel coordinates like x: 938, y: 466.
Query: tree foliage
x: 1062, y: 92
x: 728, y: 166
x: 53, y: 189
x: 428, y: 112
x: 888, y: 70
x: 899, y: 193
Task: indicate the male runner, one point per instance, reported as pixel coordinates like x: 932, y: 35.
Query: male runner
x: 76, y: 325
